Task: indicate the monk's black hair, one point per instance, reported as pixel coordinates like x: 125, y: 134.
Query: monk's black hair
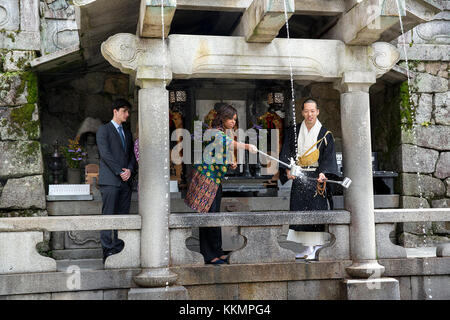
x: 310, y: 100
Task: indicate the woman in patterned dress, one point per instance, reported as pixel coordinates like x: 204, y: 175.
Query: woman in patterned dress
x: 205, y: 191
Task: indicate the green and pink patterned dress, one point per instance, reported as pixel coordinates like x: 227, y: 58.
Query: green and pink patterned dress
x: 208, y: 175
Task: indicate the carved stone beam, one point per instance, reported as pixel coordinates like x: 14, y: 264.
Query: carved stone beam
x: 320, y: 7
x: 263, y: 19
x: 417, y: 12
x: 143, y: 59
x: 234, y: 58
x: 366, y: 63
x: 365, y: 22
x: 308, y: 7
x: 150, y: 19
x: 378, y: 20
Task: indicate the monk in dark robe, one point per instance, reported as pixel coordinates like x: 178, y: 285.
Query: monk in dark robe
x: 313, y: 150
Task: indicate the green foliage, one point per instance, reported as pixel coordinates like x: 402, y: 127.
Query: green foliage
x: 407, y: 108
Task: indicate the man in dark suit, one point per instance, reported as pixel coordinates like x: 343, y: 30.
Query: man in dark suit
x: 117, y: 164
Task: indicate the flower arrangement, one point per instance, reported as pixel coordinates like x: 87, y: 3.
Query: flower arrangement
x: 74, y: 153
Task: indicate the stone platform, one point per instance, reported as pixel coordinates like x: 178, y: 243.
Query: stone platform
x: 419, y: 278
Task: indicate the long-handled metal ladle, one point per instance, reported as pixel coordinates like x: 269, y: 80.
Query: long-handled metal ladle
x: 297, y: 171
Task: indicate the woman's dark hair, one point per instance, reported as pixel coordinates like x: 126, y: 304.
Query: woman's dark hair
x: 224, y: 112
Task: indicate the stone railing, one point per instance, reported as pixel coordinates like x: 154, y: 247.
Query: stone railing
x: 385, y: 220
x: 19, y: 237
x: 260, y: 230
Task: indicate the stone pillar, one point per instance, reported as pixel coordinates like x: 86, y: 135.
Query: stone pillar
x: 154, y: 197
x: 357, y: 162
x: 359, y: 199
x: 148, y: 62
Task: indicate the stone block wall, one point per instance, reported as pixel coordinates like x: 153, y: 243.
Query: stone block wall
x: 21, y: 164
x: 424, y: 152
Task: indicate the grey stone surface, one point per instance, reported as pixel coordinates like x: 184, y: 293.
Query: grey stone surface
x: 261, y: 245
x: 83, y: 264
x: 442, y: 108
x: 66, y: 223
x: 22, y: 256
x: 425, y: 82
x: 413, y: 202
x: 42, y: 282
x: 69, y: 197
x: 23, y: 193
x: 263, y: 291
x: 12, y: 92
x: 81, y: 239
x: 443, y: 250
x: 372, y: 289
x: 385, y: 248
x: 20, y: 158
x: 424, y: 108
x: 443, y: 166
x: 428, y: 52
x: 214, y: 292
x: 167, y: 293
x: 430, y: 288
x: 339, y: 248
x: 405, y: 288
x: 180, y: 254
x: 129, y: 257
x: 416, y: 159
x: 20, y: 123
x: 121, y: 294
x: 409, y: 240
x: 430, y: 187
x: 17, y: 60
x: 447, y: 185
x: 442, y: 99
x: 78, y: 295
x: 58, y: 34
x: 38, y: 296
x: 410, y: 215
x: 59, y: 254
x: 434, y: 137
x: 440, y: 203
x: 263, y: 218
x: 316, y: 290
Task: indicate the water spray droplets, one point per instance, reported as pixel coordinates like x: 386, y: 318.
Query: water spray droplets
x: 294, y: 120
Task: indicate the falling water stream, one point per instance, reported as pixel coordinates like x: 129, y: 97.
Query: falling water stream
x: 166, y: 257
x: 292, y: 80
x: 414, y: 134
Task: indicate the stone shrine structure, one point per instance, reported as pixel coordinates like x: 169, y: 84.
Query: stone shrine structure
x: 59, y: 68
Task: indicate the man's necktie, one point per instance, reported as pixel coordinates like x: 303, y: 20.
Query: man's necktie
x: 122, y: 137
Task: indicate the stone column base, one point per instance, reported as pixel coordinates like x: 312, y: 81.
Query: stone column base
x: 163, y: 293
x: 372, y: 289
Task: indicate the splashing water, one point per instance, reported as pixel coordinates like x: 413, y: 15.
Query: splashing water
x: 166, y: 253
x: 414, y: 133
x: 292, y: 78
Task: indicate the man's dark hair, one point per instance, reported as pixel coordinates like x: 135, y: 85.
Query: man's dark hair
x: 310, y: 100
x: 120, y: 103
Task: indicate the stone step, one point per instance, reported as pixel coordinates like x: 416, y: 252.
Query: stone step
x: 82, y: 264
x: 421, y: 252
